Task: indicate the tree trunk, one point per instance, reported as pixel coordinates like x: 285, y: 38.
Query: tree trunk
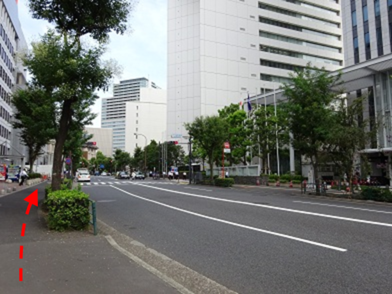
x: 211, y: 162
x: 31, y: 159
x: 60, y: 140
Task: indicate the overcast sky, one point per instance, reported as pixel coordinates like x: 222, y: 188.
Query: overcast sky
x: 141, y: 53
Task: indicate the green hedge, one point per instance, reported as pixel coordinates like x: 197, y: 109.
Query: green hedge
x: 296, y: 181
x: 282, y: 181
x: 34, y: 176
x: 229, y: 182
x: 67, y: 209
x: 376, y: 194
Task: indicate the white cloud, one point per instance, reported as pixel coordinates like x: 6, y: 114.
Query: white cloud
x: 141, y: 53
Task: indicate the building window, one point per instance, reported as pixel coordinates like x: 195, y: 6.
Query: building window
x: 377, y: 7
x: 380, y: 48
x: 367, y: 46
x: 365, y: 13
x: 354, y: 18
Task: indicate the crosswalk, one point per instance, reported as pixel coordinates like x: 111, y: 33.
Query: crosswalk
x: 127, y: 183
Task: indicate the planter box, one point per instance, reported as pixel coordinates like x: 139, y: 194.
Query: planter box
x: 33, y: 182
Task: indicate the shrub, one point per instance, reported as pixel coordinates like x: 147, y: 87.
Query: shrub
x: 229, y: 182
x: 273, y: 177
x: 285, y: 178
x: 283, y: 181
x: 215, y: 177
x: 296, y: 181
x: 376, y: 194
x: 48, y: 190
x: 68, y: 209
x: 34, y: 176
x: 297, y: 178
x: 66, y: 185
x: 271, y: 180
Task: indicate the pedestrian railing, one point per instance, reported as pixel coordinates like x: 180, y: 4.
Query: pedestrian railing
x: 306, y: 187
x: 93, y: 216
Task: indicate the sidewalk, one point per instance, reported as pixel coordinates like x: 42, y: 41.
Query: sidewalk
x: 72, y: 262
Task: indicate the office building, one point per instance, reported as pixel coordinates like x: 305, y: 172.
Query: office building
x: 113, y: 109
x: 219, y: 52
x: 103, y: 139
x: 12, y: 78
x: 146, y: 118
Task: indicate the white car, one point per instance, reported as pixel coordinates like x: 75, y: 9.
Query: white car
x: 104, y: 174
x: 83, y: 177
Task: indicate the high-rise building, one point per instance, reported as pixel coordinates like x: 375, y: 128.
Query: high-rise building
x: 219, y: 52
x: 367, y: 28
x: 12, y: 78
x: 113, y: 109
x: 103, y: 139
x: 146, y: 119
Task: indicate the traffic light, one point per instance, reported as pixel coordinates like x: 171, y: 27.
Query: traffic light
x: 172, y: 142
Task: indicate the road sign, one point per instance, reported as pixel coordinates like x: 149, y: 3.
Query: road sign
x: 102, y: 166
x: 68, y: 161
x: 177, y: 136
x: 226, y: 148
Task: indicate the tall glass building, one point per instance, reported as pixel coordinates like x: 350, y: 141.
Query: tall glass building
x: 114, y: 108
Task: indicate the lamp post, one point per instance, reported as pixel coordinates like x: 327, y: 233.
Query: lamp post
x: 145, y: 151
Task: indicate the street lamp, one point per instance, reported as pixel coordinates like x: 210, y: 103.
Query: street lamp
x: 145, y: 151
x: 190, y: 158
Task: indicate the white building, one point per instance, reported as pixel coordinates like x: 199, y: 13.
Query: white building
x: 113, y: 109
x: 103, y: 138
x: 147, y: 118
x: 12, y: 77
x: 221, y: 51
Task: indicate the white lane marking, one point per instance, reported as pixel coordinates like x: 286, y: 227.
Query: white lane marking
x: 88, y: 184
x: 235, y: 224
x: 198, y: 189
x: 275, y: 207
x: 103, y: 183
x: 116, y: 182
x: 344, y: 207
x: 95, y: 183
x: 110, y: 183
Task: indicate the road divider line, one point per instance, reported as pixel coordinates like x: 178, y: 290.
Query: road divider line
x: 235, y: 224
x: 344, y: 207
x: 274, y: 207
x: 198, y: 189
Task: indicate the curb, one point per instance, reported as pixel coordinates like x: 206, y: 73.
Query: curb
x: 182, y: 278
x: 15, y: 191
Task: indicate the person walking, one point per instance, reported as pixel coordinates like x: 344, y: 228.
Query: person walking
x: 23, y: 176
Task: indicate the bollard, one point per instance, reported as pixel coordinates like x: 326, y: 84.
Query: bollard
x: 277, y: 184
x: 257, y: 182
x: 291, y: 184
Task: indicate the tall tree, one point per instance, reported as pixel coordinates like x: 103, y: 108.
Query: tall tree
x: 349, y: 134
x: 35, y: 117
x: 238, y: 133
x: 122, y: 159
x: 310, y: 113
x: 210, y: 133
x: 59, y: 63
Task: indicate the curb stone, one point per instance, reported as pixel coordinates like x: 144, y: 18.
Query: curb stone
x: 192, y: 281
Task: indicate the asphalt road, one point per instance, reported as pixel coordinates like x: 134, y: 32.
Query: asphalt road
x: 260, y: 240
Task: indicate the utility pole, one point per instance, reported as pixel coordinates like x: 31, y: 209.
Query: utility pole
x: 190, y: 160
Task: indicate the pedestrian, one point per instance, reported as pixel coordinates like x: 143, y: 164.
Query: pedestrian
x: 227, y: 174
x: 23, y: 176
x: 176, y: 175
x: 170, y: 174
x: 184, y: 175
x: 133, y: 175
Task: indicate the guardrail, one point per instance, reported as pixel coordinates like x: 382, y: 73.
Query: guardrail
x: 93, y: 214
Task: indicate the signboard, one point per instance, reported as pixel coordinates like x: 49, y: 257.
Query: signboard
x: 102, y: 166
x: 177, y: 136
x: 68, y: 161
x: 226, y: 148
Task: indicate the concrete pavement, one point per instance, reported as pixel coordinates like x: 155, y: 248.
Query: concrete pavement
x: 72, y: 262
x: 257, y: 241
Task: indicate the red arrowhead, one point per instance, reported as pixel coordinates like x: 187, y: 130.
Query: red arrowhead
x: 32, y: 199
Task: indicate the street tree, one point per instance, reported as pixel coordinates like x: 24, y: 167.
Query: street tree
x: 122, y: 159
x: 175, y: 155
x: 210, y: 132
x: 308, y: 107
x: 65, y: 69
x: 35, y: 118
x: 350, y: 133
x: 238, y: 133
x: 137, y: 160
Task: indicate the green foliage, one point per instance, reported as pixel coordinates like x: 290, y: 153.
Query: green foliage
x: 376, y: 194
x: 309, y: 111
x: 66, y: 185
x: 271, y: 180
x: 286, y: 177
x: 34, y: 176
x: 297, y: 182
x: 229, y: 182
x: 34, y: 117
x: 283, y: 181
x: 48, y: 190
x: 68, y: 209
x: 80, y: 17
x: 209, y: 133
x: 238, y: 133
x: 273, y: 177
x: 121, y: 159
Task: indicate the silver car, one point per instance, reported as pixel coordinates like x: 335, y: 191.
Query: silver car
x: 83, y: 177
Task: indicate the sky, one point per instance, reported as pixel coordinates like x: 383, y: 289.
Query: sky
x: 141, y: 52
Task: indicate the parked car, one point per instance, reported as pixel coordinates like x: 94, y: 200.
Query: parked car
x: 83, y: 177
x: 104, y: 174
x: 139, y: 176
x: 123, y: 175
